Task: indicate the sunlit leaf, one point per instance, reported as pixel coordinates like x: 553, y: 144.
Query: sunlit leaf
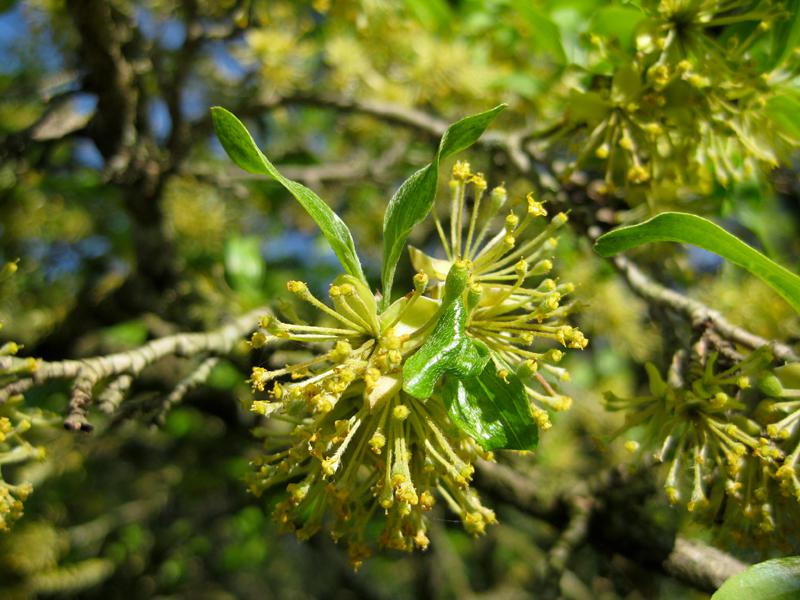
x: 447, y: 350
x: 492, y: 410
x: 414, y: 199
x: 691, y: 229
x: 242, y: 149
x: 776, y: 579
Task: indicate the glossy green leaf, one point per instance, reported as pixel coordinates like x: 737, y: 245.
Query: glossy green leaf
x: 448, y: 349
x: 242, y: 149
x: 491, y: 410
x: 414, y: 199
x: 776, y: 579
x: 244, y: 265
x: 691, y: 229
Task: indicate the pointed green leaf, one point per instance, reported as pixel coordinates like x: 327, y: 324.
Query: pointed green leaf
x: 776, y: 579
x: 242, y: 149
x: 414, y: 199
x: 492, y: 411
x: 691, y: 229
x: 447, y: 350
x: 786, y: 34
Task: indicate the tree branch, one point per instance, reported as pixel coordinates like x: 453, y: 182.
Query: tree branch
x: 696, y: 311
x: 646, y: 543
x: 88, y: 372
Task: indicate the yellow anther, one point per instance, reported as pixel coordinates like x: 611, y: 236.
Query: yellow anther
x: 638, y: 174
x: 653, y: 129
x: 401, y: 412
x: 297, y: 287
x: 631, y: 446
x: 479, y: 181
x: 512, y: 221
x: 341, y: 351
x: 329, y: 466
x: 461, y: 170
x: 426, y: 500
x: 535, y: 209
x: 719, y: 400
x: 258, y: 339
x: 377, y: 442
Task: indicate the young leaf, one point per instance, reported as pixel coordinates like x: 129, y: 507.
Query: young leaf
x: 776, y: 579
x: 691, y: 229
x: 413, y: 201
x: 242, y: 149
x: 447, y: 350
x: 491, y: 410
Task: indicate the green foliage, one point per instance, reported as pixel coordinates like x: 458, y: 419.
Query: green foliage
x: 492, y: 410
x: 448, y: 350
x: 622, y: 110
x: 413, y: 201
x: 239, y: 145
x: 776, y: 579
x: 691, y: 229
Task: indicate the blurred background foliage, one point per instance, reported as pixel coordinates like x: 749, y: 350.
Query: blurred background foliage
x: 647, y: 106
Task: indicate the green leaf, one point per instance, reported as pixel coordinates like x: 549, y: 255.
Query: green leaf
x: 547, y: 36
x: 242, y: 149
x: 617, y: 22
x: 786, y: 34
x: 691, y: 229
x: 447, y: 350
x: 413, y: 201
x: 244, y: 266
x: 491, y: 410
x: 776, y: 579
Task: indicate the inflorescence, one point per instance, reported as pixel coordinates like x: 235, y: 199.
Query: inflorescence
x: 15, y: 423
x: 346, y: 440
x: 691, y: 102
x: 729, y: 439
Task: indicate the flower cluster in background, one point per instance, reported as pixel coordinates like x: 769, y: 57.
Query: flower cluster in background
x: 701, y: 92
x: 728, y: 434
x: 345, y: 437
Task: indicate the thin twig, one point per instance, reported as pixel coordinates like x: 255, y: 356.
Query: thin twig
x: 88, y: 372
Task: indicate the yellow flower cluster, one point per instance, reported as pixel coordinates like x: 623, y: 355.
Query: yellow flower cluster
x: 726, y: 450
x: 347, y: 441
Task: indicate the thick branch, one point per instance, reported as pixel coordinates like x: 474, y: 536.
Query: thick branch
x: 696, y: 311
x: 692, y: 562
